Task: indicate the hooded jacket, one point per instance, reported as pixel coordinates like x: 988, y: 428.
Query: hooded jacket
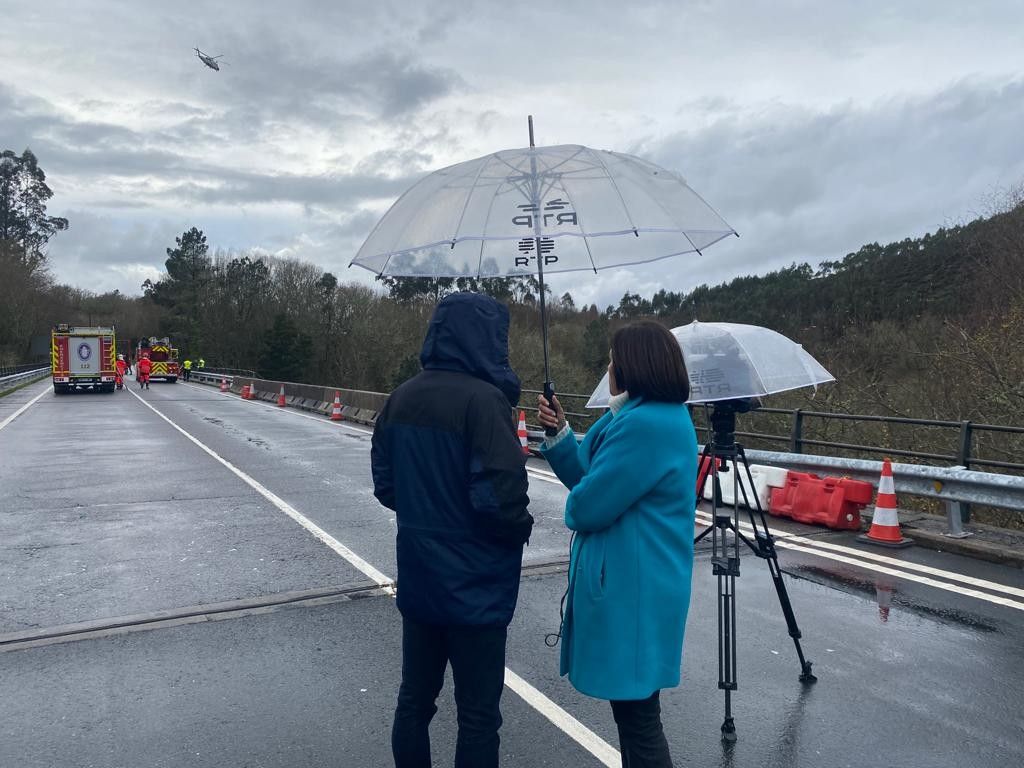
x: 447, y: 460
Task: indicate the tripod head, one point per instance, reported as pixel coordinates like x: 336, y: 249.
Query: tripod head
x: 723, y: 422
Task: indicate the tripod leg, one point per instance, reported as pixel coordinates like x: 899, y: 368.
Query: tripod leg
x: 727, y: 648
x: 765, y: 548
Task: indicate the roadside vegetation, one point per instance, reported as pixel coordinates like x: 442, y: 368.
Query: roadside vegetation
x: 929, y: 327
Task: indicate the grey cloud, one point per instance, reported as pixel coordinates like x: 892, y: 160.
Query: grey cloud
x: 800, y: 185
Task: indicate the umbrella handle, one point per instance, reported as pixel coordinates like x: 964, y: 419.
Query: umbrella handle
x: 549, y: 395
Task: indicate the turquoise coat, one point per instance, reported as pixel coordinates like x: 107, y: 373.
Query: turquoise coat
x: 632, y: 499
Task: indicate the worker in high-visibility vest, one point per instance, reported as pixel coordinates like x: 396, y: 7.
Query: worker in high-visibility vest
x: 188, y: 368
x: 202, y: 363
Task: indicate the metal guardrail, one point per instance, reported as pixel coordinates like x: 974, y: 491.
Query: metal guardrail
x: 11, y: 381
x: 950, y: 484
x: 796, y: 438
x: 954, y: 485
x: 10, y: 370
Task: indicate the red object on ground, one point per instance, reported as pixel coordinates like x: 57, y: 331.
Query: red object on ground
x: 885, y: 522
x: 702, y: 473
x: 280, y: 398
x: 833, y: 502
x: 336, y: 410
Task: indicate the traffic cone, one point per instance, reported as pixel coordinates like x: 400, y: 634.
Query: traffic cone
x: 280, y: 398
x: 336, y: 410
x: 245, y: 391
x: 223, y: 385
x: 885, y: 523
x: 522, y: 433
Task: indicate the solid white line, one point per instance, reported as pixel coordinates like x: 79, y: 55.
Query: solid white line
x: 867, y: 560
x: 962, y: 578
x: 357, y: 562
x: 289, y: 410
x: 568, y: 724
x: 561, y: 719
x: 859, y: 553
x: 869, y: 566
x: 21, y: 410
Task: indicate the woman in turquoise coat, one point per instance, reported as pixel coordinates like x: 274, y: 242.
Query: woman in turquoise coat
x: 631, y: 505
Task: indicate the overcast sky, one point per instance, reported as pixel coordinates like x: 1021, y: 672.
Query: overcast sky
x: 812, y: 127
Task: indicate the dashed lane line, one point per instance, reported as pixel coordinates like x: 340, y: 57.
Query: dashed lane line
x: 23, y: 408
x: 561, y: 719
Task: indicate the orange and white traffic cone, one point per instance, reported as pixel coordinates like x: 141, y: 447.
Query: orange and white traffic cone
x: 885, y: 523
x: 522, y: 433
x: 223, y: 385
x: 336, y: 410
x: 245, y: 391
x: 280, y: 398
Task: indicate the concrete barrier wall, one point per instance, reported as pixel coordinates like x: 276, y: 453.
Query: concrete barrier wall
x: 372, y: 401
x: 358, y: 406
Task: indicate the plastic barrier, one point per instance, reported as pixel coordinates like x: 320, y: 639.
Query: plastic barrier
x: 832, y: 502
x: 765, y: 479
x: 702, y: 471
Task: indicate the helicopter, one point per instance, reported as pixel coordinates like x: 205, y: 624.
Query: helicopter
x: 210, y: 61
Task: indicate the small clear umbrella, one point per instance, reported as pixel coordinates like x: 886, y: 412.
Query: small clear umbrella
x: 524, y: 212
x: 729, y: 361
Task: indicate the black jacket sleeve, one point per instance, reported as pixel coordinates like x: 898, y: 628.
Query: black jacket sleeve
x: 380, y: 462
x: 497, y: 470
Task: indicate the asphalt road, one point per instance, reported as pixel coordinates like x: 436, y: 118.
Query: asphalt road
x: 168, y: 599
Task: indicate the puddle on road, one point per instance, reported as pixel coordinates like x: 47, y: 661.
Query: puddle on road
x: 883, y: 591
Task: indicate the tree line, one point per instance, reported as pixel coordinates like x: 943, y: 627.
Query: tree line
x: 929, y: 327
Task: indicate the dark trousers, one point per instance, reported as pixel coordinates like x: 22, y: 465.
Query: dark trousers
x: 641, y: 738
x: 477, y: 656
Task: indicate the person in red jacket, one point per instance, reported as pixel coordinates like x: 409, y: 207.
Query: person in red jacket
x: 144, y: 366
x: 122, y: 368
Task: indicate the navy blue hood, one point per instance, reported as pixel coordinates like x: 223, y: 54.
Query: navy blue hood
x: 469, y: 334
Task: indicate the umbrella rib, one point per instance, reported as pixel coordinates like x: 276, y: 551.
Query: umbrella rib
x: 484, y: 238
x: 586, y: 240
x: 622, y: 200
x: 469, y: 196
x: 751, y: 359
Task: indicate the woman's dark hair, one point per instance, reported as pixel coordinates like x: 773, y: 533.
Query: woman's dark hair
x: 648, y: 363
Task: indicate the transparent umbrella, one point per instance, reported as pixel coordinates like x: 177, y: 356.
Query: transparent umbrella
x: 727, y: 361
x: 524, y: 212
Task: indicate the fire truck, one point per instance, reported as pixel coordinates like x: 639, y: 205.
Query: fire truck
x: 82, y: 357
x: 162, y: 355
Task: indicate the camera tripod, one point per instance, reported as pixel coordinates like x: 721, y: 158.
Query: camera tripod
x: 725, y: 546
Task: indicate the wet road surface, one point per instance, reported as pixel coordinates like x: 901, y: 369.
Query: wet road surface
x: 157, y: 608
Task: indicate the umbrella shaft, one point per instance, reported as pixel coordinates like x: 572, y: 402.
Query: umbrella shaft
x: 543, y: 313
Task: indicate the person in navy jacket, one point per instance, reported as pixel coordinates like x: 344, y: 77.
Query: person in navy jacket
x: 447, y: 460
x: 631, y: 505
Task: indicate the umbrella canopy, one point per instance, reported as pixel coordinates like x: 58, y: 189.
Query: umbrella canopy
x: 573, y: 207
x: 726, y: 361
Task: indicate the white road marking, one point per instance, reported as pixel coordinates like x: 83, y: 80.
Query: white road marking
x: 871, y: 561
x: 568, y: 724
x: 870, y: 566
x: 952, y: 576
x: 357, y: 562
x: 23, y: 408
x: 561, y: 719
